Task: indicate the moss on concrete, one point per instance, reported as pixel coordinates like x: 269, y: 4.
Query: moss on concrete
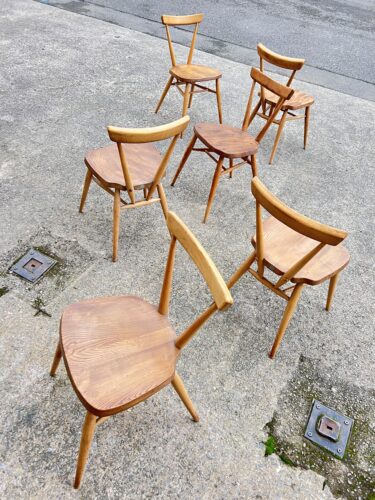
x: 349, y: 477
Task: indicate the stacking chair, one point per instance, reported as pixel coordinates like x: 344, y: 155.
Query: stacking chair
x: 191, y: 77
x: 298, y: 101
x: 130, y: 165
x: 119, y: 351
x: 234, y: 143
x: 298, y: 249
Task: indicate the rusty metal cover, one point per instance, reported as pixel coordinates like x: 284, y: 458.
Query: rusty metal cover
x: 328, y: 429
x: 32, y: 266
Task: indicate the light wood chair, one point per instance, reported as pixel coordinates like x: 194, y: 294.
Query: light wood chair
x: 298, y: 249
x: 132, y: 164
x: 299, y: 100
x: 190, y: 77
x: 118, y: 351
x: 234, y: 143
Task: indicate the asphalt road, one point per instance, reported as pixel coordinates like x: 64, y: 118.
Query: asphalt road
x: 336, y: 37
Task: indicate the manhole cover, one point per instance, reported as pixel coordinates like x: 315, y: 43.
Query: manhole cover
x: 32, y: 266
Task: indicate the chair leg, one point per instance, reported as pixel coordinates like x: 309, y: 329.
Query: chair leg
x: 331, y: 290
x: 191, y: 96
x: 288, y: 313
x: 185, y: 105
x: 215, y: 182
x: 253, y: 163
x: 306, y: 130
x: 184, y: 158
x: 218, y: 99
x: 278, y: 135
x: 85, y: 190
x: 56, y: 360
x: 165, y: 91
x: 163, y: 200
x: 181, y: 391
x: 116, y: 223
x: 186, y: 98
x: 86, y: 438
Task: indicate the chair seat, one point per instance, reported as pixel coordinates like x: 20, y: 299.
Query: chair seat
x: 143, y: 161
x: 225, y: 140
x: 298, y: 100
x: 191, y: 73
x: 284, y: 247
x: 118, y: 351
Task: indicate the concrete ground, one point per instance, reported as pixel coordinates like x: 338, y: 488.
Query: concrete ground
x: 63, y: 78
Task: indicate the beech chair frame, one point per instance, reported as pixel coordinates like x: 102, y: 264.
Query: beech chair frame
x: 321, y: 233
x: 222, y: 299
x: 187, y: 88
x: 139, y: 136
x: 287, y: 63
x: 263, y: 81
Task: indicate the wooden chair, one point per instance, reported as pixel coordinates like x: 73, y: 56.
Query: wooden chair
x: 234, y: 143
x: 118, y: 351
x: 299, y: 100
x: 189, y: 76
x: 131, y: 165
x: 298, y: 249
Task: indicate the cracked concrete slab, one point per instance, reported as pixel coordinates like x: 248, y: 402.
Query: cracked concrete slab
x: 71, y: 261
x: 65, y: 77
x: 354, y: 476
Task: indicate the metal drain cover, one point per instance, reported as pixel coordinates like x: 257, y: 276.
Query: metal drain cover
x: 328, y: 429
x: 32, y: 266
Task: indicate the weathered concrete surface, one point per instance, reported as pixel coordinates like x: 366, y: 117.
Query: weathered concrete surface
x: 63, y: 78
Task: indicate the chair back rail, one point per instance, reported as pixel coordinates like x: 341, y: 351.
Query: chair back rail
x: 181, y: 21
x: 277, y: 88
x: 146, y: 135
x: 219, y: 290
x: 289, y: 63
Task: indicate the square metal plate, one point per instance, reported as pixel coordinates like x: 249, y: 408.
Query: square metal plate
x: 32, y: 266
x: 333, y: 438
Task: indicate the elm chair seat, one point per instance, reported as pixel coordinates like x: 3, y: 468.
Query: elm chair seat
x: 143, y: 161
x: 194, y: 73
x: 230, y: 142
x: 285, y: 247
x: 118, y: 351
x: 299, y: 100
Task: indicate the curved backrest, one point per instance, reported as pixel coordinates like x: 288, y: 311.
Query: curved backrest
x: 271, y: 57
x: 219, y: 290
x: 181, y: 21
x: 151, y: 134
x: 301, y: 224
x: 201, y: 259
x: 277, y: 88
x: 145, y: 135
x: 290, y: 63
x: 271, y: 85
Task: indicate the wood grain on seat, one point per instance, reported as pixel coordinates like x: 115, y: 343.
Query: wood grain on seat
x: 283, y: 247
x: 118, y: 351
x: 227, y: 141
x: 299, y: 100
x: 194, y: 73
x: 143, y: 161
